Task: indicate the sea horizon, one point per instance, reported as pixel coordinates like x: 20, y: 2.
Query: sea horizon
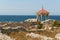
x: 19, y: 18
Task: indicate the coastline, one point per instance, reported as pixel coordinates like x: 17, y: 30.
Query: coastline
x: 22, y: 28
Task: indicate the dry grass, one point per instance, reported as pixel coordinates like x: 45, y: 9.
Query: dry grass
x: 18, y: 35
x: 21, y: 35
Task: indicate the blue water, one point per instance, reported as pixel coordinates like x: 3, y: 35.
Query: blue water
x: 18, y: 18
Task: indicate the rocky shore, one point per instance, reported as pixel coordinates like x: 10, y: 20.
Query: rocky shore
x: 28, y: 30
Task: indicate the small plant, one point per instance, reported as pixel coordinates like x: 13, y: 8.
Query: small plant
x: 39, y: 25
x: 56, y: 23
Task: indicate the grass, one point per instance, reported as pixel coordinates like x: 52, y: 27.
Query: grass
x: 21, y: 35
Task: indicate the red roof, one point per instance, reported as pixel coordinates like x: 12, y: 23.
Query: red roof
x: 42, y: 12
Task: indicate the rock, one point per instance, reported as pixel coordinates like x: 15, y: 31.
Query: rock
x: 33, y: 35
x: 57, y: 36
x: 5, y: 37
x: 31, y: 20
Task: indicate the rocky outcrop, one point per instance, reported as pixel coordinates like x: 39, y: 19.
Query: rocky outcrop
x: 5, y: 37
x: 31, y: 20
x: 33, y: 35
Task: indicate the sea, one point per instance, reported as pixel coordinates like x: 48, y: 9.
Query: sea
x: 20, y: 18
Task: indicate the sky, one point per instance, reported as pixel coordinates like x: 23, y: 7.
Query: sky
x: 28, y: 7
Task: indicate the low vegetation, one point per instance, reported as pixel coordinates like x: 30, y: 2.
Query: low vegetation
x: 56, y: 24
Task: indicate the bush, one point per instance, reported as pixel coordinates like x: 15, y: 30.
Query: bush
x: 56, y: 23
x: 39, y: 25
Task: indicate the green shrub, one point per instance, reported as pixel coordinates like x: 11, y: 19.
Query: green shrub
x: 39, y: 25
x: 56, y: 23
